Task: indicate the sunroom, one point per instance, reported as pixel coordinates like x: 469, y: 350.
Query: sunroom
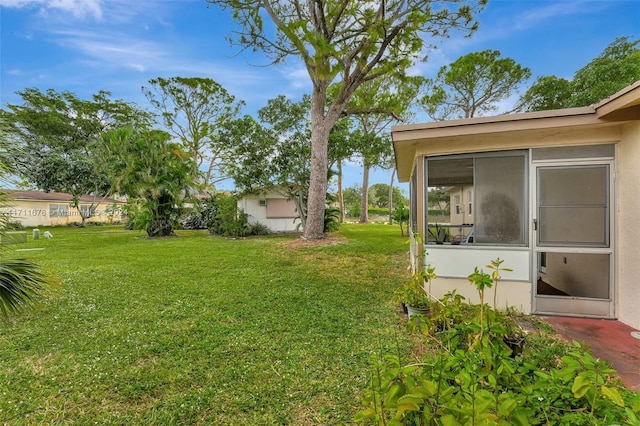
x: 555, y: 194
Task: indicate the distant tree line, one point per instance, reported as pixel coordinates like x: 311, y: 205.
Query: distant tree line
x: 192, y: 135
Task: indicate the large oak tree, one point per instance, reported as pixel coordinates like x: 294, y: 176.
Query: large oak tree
x: 347, y: 42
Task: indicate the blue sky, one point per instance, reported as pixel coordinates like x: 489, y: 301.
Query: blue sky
x: 119, y: 45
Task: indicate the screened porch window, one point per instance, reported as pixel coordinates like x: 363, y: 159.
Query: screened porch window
x: 493, y: 187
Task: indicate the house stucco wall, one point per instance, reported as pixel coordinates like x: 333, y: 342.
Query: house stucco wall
x: 250, y: 204
x: 514, y: 294
x: 628, y: 214
x: 34, y: 213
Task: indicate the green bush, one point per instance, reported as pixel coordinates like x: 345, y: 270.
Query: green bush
x: 331, y: 219
x: 353, y: 210
x: 477, y: 377
x: 377, y: 211
x: 479, y: 381
x: 258, y: 229
x: 204, y: 216
x: 13, y: 226
x: 192, y: 220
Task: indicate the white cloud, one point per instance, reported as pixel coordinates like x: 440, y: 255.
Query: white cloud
x: 113, y: 49
x: 80, y: 9
x: 298, y: 76
x: 533, y: 17
x: 137, y: 67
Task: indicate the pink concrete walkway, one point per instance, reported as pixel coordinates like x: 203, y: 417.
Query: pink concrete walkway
x: 609, y: 340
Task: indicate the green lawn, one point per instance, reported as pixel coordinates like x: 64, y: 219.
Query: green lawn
x: 202, y: 330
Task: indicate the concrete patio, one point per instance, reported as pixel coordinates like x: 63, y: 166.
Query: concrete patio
x: 610, y: 340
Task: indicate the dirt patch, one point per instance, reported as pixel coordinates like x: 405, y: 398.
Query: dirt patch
x: 328, y: 240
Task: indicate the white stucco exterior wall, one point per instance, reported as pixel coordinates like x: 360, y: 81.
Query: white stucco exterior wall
x: 512, y: 294
x: 250, y: 204
x: 628, y: 214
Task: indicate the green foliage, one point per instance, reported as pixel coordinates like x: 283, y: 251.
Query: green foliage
x: 153, y: 172
x: 377, y: 211
x: 473, y: 85
x: 496, y: 267
x: 192, y: 220
x: 348, y: 43
x: 273, y: 154
x: 401, y: 215
x: 548, y: 92
x: 57, y: 134
x: 615, y: 68
x: 438, y: 234
x: 439, y: 198
x: 476, y: 376
x: 220, y: 215
x: 193, y: 110
x: 22, y: 284
x: 228, y: 220
x: 331, y: 219
x: 379, y: 195
x: 413, y: 292
x: 374, y: 106
x: 204, y: 216
x: 14, y: 226
x: 352, y: 196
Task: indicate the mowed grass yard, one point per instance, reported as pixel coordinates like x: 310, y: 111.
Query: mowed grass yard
x: 202, y: 330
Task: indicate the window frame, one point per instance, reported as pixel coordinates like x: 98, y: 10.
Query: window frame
x: 469, y: 239
x: 56, y: 210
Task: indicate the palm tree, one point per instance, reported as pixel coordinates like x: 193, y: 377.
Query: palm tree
x: 23, y: 283
x: 152, y: 172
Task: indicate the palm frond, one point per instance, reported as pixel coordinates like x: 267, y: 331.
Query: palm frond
x: 22, y: 284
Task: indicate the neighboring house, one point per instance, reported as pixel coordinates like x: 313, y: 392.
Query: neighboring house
x: 34, y: 208
x: 556, y: 194
x: 271, y: 209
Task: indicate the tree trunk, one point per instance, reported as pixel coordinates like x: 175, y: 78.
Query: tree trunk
x: 340, y: 194
x: 321, y: 125
x: 160, y: 227
x: 364, y: 201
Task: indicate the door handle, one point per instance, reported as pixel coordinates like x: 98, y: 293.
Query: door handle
x: 535, y: 224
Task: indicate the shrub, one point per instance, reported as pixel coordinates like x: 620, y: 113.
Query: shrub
x: 259, y: 229
x: 14, y: 226
x: 192, y: 220
x: 378, y: 211
x: 474, y: 377
x: 331, y: 219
